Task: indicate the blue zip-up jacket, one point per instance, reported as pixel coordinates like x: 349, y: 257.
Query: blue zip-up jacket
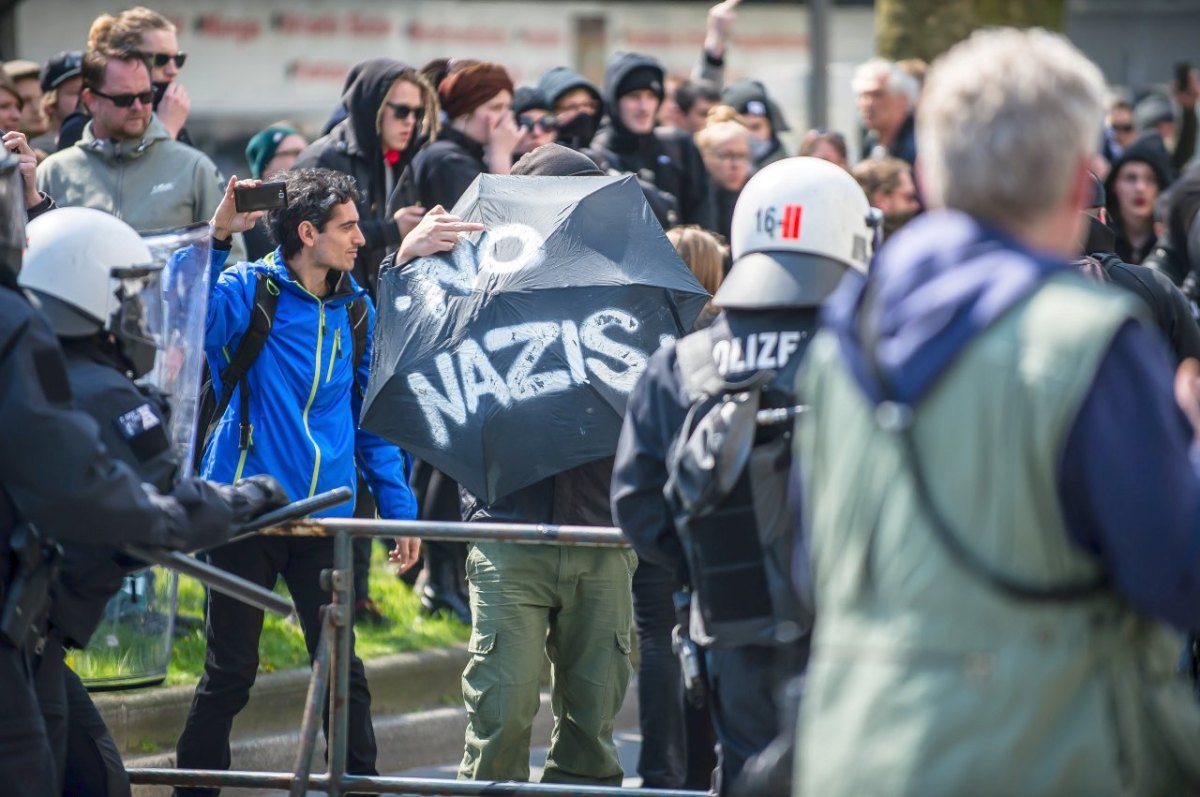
x: 303, y: 405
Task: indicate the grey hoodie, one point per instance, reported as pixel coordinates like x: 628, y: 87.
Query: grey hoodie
x: 153, y: 183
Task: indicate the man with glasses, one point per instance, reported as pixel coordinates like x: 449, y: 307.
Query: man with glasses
x: 127, y: 163
x: 535, y: 120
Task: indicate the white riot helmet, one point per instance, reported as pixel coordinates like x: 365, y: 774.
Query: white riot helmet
x: 90, y: 272
x: 798, y: 226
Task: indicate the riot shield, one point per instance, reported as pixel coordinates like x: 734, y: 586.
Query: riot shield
x: 179, y: 366
x: 132, y: 646
x: 12, y: 219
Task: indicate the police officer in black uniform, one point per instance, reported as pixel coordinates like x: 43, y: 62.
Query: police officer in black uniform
x: 59, y: 485
x: 797, y: 227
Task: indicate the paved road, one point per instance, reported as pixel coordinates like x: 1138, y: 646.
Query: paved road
x: 628, y: 744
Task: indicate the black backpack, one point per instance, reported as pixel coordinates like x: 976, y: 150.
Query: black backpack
x: 727, y: 488
x: 211, y: 406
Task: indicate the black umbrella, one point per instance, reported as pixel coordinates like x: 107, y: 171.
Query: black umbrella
x: 510, y: 358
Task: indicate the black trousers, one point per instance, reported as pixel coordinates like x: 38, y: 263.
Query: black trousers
x: 746, y: 687
x: 677, y: 749
x: 86, y: 758
x: 27, y: 767
x: 231, y: 661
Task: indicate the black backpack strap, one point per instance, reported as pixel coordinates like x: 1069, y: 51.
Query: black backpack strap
x: 359, y: 314
x: 262, y: 316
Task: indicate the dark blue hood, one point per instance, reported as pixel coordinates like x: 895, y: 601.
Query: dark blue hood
x: 935, y: 286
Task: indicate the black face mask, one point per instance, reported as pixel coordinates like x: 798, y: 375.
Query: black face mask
x: 159, y: 90
x: 578, y: 132
x: 1100, y: 237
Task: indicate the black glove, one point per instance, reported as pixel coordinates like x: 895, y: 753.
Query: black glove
x: 254, y: 496
x: 212, y: 512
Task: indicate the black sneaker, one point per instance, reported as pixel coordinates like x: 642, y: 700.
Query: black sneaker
x: 366, y: 612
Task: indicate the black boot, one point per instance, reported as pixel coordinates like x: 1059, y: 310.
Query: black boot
x: 442, y: 591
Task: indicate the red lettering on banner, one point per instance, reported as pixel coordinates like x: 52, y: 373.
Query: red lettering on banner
x: 300, y: 70
x: 220, y: 27
x: 791, y: 221
x: 303, y: 25
x: 361, y: 25
x: 444, y: 34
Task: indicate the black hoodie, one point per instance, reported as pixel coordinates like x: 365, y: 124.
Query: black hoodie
x: 577, y: 133
x: 666, y: 157
x: 353, y: 147
x: 1158, y: 161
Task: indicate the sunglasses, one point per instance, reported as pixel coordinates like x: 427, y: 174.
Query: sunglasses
x: 546, y: 123
x: 162, y: 59
x: 126, y: 100
x: 400, y: 112
x: 1122, y: 128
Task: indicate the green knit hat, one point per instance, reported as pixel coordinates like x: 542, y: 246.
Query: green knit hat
x: 262, y: 148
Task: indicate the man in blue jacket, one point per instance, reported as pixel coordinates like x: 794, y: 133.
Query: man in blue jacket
x: 304, y: 398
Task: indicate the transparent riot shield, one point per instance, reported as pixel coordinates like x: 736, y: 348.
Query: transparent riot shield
x: 132, y: 646
x: 178, y: 371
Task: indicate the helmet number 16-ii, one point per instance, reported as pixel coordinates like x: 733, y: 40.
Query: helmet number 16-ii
x: 768, y: 220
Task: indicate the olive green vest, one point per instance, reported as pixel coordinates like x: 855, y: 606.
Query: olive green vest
x: 924, y: 680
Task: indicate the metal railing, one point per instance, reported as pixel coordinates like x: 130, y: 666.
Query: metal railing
x: 331, y: 673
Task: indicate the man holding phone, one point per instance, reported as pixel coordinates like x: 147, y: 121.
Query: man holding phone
x: 127, y: 163
x: 299, y: 401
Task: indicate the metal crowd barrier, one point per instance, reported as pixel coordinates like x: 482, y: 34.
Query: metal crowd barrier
x: 331, y: 673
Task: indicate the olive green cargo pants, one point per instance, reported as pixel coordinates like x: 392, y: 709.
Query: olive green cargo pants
x: 573, y: 604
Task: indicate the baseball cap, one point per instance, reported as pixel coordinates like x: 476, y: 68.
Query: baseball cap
x: 62, y: 67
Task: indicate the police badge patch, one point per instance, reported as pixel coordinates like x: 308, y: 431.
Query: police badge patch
x: 142, y: 429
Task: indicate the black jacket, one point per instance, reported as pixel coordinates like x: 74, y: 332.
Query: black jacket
x: 133, y: 427
x: 1144, y: 150
x: 656, y: 412
x: 904, y: 146
x: 56, y: 473
x: 443, y: 170
x: 353, y: 147
x: 667, y: 158
x: 1169, y: 308
x: 1165, y: 260
x: 577, y: 497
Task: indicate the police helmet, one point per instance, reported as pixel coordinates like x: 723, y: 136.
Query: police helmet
x: 91, y: 272
x: 798, y: 226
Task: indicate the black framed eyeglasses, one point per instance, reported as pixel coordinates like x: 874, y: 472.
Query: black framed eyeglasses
x: 400, y: 111
x: 546, y: 124
x: 162, y: 59
x: 126, y: 100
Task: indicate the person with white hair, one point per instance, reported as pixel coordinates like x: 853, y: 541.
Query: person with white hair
x: 887, y: 103
x: 999, y: 485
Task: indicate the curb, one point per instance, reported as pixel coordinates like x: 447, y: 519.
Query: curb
x: 405, y: 741
x: 400, y: 683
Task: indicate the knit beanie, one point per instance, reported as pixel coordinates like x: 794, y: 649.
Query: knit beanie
x: 262, y: 148
x: 462, y: 91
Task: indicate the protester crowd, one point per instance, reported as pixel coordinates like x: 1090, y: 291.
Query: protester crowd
x: 955, y: 561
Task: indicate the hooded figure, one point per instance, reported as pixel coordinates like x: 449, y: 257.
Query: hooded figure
x: 750, y: 99
x: 1171, y: 255
x: 1141, y: 151
x: 665, y: 160
x: 576, y: 127
x: 355, y: 147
